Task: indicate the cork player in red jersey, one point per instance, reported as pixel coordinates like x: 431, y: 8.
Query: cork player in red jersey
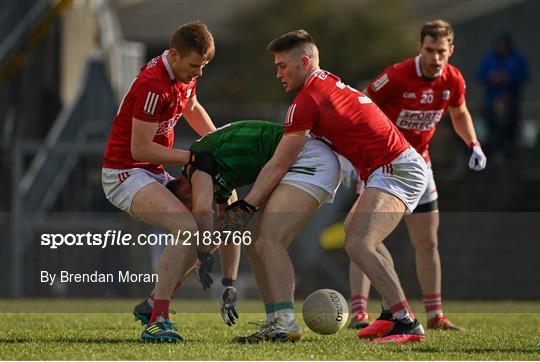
x: 348, y: 121
x: 141, y: 141
x: 415, y: 94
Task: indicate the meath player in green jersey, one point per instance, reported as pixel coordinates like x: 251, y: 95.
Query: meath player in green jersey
x: 222, y: 161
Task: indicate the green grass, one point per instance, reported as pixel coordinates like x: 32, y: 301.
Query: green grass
x: 110, y: 334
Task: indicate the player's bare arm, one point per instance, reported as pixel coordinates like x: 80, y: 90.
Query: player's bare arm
x: 230, y: 252
x: 462, y: 123
x: 202, y: 203
x: 144, y: 149
x: 285, y: 155
x: 198, y: 118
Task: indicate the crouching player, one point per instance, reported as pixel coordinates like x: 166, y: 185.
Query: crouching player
x: 226, y: 159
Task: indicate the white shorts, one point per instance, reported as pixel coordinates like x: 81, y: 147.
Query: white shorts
x: 316, y: 171
x: 121, y: 186
x: 430, y: 194
x: 406, y: 177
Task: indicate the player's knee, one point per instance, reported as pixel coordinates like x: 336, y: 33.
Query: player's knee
x: 251, y: 253
x: 259, y: 247
x: 202, y: 210
x: 348, y: 220
x: 187, y: 231
x: 352, y: 247
x: 357, y: 246
x: 267, y: 237
x: 426, y: 244
x: 265, y: 242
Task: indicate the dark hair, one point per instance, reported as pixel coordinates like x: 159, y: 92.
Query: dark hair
x: 437, y: 29
x: 194, y: 36
x: 290, y: 41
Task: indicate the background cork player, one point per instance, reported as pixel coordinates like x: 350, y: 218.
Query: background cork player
x: 415, y: 94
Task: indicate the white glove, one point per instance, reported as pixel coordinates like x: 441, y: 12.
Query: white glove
x: 478, y: 160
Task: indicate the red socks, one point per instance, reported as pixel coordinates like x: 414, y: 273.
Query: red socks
x: 161, y: 306
x: 358, y: 304
x: 402, y: 312
x: 433, y: 304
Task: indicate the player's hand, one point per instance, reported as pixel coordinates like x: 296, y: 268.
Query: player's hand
x: 203, y: 161
x: 228, y: 305
x: 478, y: 160
x: 238, y: 215
x: 205, y: 268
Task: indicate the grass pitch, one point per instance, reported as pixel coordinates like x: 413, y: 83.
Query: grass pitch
x: 35, y: 330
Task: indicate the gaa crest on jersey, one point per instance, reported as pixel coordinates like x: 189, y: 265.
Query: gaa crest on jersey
x: 188, y: 93
x: 446, y: 95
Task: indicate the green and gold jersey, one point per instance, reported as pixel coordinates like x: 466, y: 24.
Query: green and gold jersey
x: 240, y: 149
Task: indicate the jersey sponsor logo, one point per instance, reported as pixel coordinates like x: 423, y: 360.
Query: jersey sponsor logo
x: 418, y: 120
x: 166, y: 126
x: 290, y: 115
x: 409, y: 95
x: 445, y: 95
x: 380, y: 82
x: 150, y: 103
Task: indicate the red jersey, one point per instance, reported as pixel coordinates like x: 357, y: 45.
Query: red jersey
x: 346, y: 120
x: 154, y: 96
x: 416, y: 103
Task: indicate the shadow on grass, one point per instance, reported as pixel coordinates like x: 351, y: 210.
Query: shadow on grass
x: 479, y: 350
x: 409, y: 348
x: 100, y: 340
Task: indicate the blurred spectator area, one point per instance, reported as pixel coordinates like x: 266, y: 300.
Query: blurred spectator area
x: 65, y: 64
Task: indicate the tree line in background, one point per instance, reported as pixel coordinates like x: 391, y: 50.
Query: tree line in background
x: 356, y: 42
